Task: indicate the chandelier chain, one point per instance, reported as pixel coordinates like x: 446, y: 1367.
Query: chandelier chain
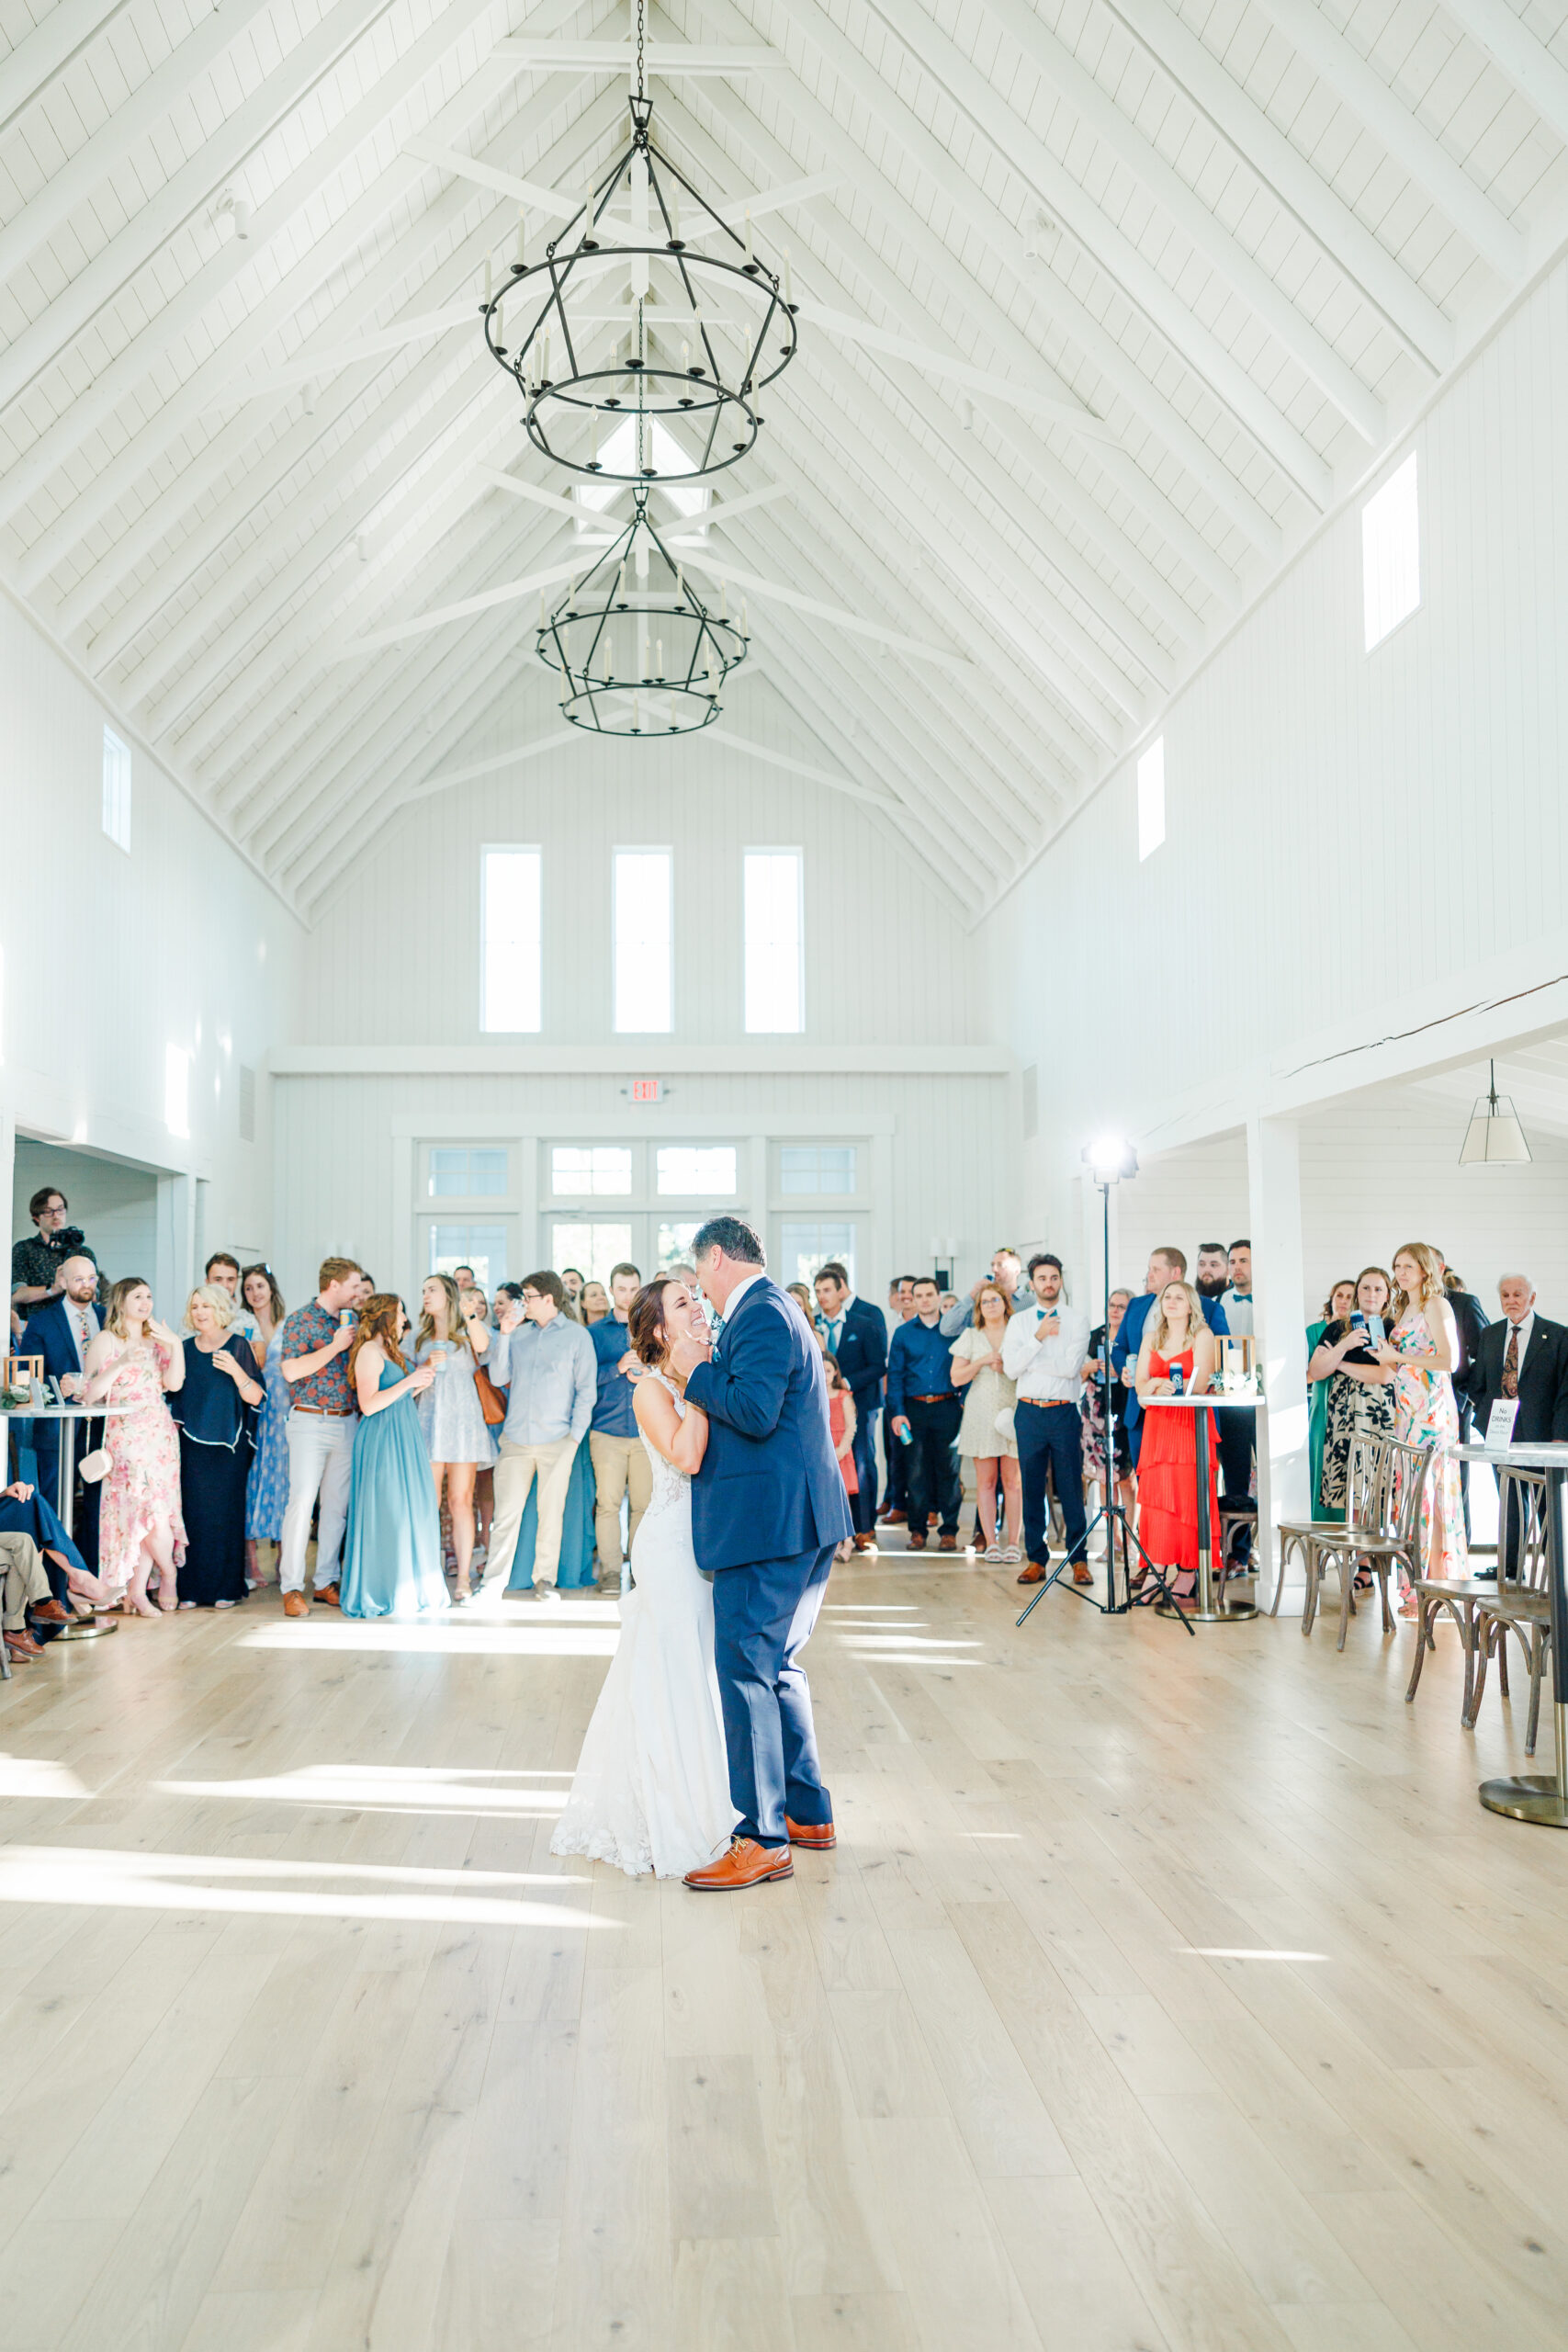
x: 641, y: 89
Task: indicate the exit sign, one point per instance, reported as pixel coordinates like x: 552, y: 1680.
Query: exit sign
x: 646, y: 1090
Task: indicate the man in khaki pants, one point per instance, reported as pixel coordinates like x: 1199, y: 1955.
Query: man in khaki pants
x: 547, y: 1363
x: 620, y: 1458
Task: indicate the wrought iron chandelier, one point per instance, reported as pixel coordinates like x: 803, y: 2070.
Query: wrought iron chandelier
x: 630, y: 317
x: 636, y: 651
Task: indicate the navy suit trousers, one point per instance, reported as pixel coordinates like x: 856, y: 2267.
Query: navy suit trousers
x: 1050, y: 1437
x: 763, y: 1615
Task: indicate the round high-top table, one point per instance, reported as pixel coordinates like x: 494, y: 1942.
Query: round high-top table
x: 1541, y: 1797
x: 1204, y: 1609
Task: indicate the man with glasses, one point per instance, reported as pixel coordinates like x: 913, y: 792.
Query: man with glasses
x: 547, y: 1364
x: 38, y: 1260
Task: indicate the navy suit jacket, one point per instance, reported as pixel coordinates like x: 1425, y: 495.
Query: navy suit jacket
x: 770, y: 1487
x: 49, y: 1335
x: 863, y: 1354
x: 1130, y: 1339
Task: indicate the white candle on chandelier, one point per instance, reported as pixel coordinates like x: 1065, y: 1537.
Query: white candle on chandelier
x: 659, y: 673
x: 724, y: 600
x: 789, y: 295
x: 675, y: 214
x: 588, y: 212
x: 542, y: 623
x: 750, y: 256
x: 685, y: 365
x: 743, y: 633
x: 487, y: 282
x: 622, y: 597
x: 605, y: 665
x: 680, y: 584
x: 521, y: 256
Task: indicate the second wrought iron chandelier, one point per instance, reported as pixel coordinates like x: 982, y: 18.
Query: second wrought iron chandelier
x: 666, y: 310
x: 636, y: 651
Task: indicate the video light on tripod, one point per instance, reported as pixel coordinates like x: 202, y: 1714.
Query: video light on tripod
x: 1109, y: 1157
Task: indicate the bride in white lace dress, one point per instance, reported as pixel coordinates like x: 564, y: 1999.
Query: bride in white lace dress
x: 651, y: 1789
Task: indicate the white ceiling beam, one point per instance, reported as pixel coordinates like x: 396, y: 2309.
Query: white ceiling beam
x: 669, y: 57
x: 852, y: 394
x: 194, y: 185
x: 268, y: 383
x: 488, y: 175
x: 1529, y: 65
x: 237, y: 346
x: 146, y: 109
x: 1455, y: 194
x: 975, y: 380
x: 514, y: 756
x: 509, y: 592
x: 55, y: 41
x: 1097, y: 110
x: 231, y: 451
x: 1029, y: 448
x: 931, y: 161
x: 1342, y: 238
x: 1031, y: 162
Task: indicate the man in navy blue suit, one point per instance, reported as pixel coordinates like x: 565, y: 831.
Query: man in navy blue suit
x: 768, y: 1513
x: 60, y: 1331
x: 1166, y: 1265
x: 856, y: 1336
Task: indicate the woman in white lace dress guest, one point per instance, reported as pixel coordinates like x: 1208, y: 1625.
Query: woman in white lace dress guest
x: 651, y: 1789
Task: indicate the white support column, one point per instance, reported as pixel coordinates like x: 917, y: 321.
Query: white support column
x: 407, y: 1273
x: 1279, y: 1282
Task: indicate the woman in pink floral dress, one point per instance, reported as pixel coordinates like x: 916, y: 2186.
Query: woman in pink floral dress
x: 1423, y: 1349
x: 130, y: 1365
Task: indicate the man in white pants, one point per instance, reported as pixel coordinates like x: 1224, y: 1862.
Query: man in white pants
x: 545, y: 1364
x: 313, y: 1351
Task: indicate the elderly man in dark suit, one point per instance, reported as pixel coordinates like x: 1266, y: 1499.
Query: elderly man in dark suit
x: 1522, y: 1359
x: 856, y: 1336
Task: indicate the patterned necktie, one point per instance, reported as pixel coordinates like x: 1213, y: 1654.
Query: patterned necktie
x: 1511, y: 1363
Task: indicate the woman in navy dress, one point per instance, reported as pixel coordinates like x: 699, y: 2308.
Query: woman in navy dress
x: 391, y: 1550
x: 216, y: 1408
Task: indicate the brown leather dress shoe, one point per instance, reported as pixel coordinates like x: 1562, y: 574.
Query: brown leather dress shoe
x: 328, y: 1594
x: 746, y: 1864
x: 917, y: 1542
x: 898, y: 1518
x: 50, y: 1612
x: 295, y: 1605
x: 820, y: 1836
x: 950, y: 1543
x: 1034, y: 1573
x: 865, y: 1543
x: 23, y: 1646
x: 1083, y: 1573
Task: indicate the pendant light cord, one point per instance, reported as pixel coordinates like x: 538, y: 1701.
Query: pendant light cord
x: 641, y: 89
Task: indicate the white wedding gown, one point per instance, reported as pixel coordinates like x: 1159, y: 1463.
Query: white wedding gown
x: 652, y: 1789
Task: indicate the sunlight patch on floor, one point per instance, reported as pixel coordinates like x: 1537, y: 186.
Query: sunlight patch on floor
x: 391, y: 1788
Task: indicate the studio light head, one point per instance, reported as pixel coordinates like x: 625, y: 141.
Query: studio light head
x: 1109, y: 1157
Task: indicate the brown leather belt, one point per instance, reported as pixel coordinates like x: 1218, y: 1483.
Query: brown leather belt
x: 1051, y: 1404
x: 939, y: 1399
x: 328, y: 1412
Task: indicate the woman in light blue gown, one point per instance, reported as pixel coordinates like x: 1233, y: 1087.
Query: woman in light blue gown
x: 391, y: 1549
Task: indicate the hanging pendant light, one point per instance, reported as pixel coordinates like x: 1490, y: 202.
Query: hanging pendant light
x: 1493, y: 1135
x: 665, y: 315
x: 635, y: 650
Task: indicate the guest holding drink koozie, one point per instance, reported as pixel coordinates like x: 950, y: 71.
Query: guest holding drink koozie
x: 391, y: 1546
x: 1359, y: 1387
x: 453, y: 1340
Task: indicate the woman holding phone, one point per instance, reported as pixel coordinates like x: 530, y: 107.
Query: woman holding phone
x: 1176, y: 1340
x: 453, y: 1339
x: 1359, y: 1387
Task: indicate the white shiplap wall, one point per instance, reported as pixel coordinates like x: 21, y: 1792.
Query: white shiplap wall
x: 1356, y: 845
x: 108, y: 960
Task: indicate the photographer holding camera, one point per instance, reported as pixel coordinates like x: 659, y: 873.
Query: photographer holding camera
x: 38, y: 1264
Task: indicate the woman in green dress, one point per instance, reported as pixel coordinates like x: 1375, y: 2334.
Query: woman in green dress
x: 1336, y: 1306
x: 391, y: 1548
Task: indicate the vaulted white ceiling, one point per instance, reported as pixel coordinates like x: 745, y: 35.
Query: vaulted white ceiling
x: 1104, y: 302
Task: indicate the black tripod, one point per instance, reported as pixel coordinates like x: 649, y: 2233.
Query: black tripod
x: 1111, y: 1512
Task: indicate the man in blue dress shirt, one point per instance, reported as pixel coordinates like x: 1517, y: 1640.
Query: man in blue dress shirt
x: 547, y: 1363
x: 620, y: 1461
x: 925, y: 1409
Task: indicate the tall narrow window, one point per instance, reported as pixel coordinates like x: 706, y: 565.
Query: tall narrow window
x: 774, y: 994
x: 116, y: 790
x: 644, y: 988
x: 509, y: 939
x: 1150, y: 797
x: 1390, y: 553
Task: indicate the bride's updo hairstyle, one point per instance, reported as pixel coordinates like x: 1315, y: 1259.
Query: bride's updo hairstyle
x: 644, y: 1322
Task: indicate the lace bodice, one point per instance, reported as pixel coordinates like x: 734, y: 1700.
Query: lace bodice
x: 670, y: 1486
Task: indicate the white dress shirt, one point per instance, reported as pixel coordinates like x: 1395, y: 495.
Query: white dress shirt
x: 738, y: 1293
x: 1047, y: 1371
x: 1238, y: 1311
x: 833, y: 1325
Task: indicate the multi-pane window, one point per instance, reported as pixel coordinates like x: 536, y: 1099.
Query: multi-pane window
x: 771, y: 914
x: 463, y: 1173
x: 803, y: 1250
x: 592, y: 1247
x: 116, y: 790
x: 691, y: 1169
x: 578, y: 1170
x: 1390, y: 553
x: 510, y: 939
x: 643, y: 916
x: 817, y: 1168
x: 674, y: 1244
x: 482, y: 1246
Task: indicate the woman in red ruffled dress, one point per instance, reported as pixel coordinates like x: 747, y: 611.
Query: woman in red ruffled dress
x: 1175, y: 1335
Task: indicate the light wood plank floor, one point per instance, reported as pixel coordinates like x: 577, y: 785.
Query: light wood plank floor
x: 1164, y: 1994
